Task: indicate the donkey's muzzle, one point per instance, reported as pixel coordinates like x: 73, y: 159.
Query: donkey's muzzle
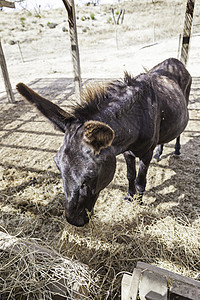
x: 79, y: 220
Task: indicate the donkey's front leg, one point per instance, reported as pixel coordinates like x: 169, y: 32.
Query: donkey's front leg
x: 142, y: 173
x: 131, y: 174
x: 177, y: 146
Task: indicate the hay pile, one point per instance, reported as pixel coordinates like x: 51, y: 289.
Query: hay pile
x: 29, y: 271
x: 164, y: 231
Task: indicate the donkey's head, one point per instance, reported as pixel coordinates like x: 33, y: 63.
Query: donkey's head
x: 85, y: 160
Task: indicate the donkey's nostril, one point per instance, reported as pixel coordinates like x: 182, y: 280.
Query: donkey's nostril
x: 83, y: 186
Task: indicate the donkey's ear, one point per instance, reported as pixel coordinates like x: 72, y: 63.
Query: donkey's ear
x: 98, y: 135
x: 50, y: 110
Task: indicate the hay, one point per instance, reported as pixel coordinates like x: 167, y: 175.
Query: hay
x: 29, y: 271
x: 165, y: 231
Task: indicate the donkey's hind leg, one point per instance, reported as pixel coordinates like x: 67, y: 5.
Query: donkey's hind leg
x: 177, y: 146
x: 158, y: 152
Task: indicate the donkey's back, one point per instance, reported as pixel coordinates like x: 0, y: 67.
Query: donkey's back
x: 175, y: 70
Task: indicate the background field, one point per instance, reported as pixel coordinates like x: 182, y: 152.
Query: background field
x: 165, y: 231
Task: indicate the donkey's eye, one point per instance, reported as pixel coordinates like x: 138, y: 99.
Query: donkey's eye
x: 86, y: 181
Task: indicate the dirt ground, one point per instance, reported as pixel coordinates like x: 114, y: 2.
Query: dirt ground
x: 165, y: 231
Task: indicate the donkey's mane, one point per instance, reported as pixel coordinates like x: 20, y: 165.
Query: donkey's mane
x: 97, y: 97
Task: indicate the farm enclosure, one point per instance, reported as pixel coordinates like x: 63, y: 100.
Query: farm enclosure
x: 165, y: 231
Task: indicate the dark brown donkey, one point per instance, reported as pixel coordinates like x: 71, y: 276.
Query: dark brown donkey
x: 130, y: 117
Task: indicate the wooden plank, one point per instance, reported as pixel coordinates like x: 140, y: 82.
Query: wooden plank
x: 168, y: 274
x: 130, y: 285
x: 184, y: 290
x: 155, y: 296
x: 179, y: 287
x: 153, y: 282
x: 134, y: 285
x: 125, y: 286
x: 8, y: 87
x: 187, y: 31
x: 70, y: 7
x: 7, y: 4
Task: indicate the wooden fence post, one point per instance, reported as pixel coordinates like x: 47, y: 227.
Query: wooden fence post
x: 8, y: 87
x: 187, y: 31
x: 69, y: 5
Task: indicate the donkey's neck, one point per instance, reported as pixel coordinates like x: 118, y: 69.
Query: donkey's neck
x: 115, y: 106
x: 123, y: 113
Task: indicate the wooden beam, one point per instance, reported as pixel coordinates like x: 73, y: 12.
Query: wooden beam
x: 8, y: 87
x: 151, y: 283
x: 70, y: 7
x: 179, y: 287
x: 187, y: 31
x: 7, y: 4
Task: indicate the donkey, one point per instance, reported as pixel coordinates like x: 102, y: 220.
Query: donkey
x: 129, y: 116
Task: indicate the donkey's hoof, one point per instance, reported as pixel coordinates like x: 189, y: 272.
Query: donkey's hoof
x: 156, y: 158
x: 129, y: 198
x: 177, y: 154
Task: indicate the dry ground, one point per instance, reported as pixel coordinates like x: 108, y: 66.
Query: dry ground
x: 165, y: 231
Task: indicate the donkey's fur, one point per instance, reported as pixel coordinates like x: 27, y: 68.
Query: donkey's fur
x: 130, y: 117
